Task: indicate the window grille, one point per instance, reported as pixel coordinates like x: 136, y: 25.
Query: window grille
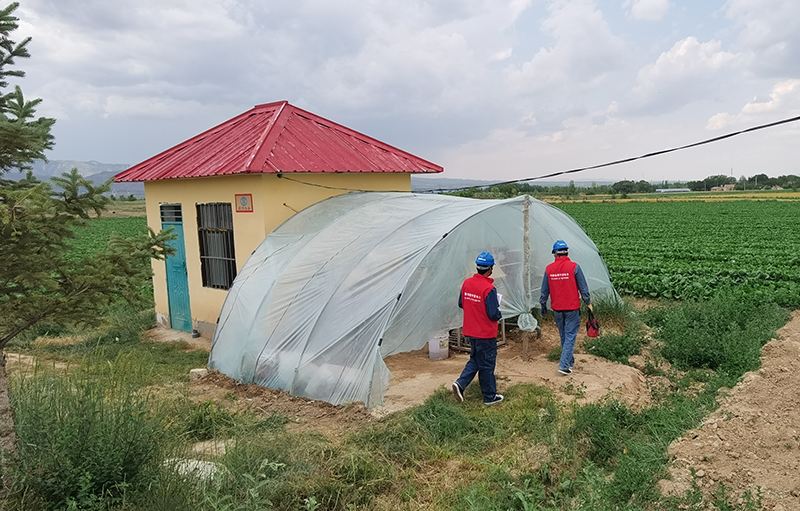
x: 171, y: 213
x: 217, y: 257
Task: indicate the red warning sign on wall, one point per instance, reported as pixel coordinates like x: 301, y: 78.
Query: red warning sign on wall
x: 244, y: 202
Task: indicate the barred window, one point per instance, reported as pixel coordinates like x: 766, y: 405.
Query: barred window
x: 217, y: 257
x: 171, y: 213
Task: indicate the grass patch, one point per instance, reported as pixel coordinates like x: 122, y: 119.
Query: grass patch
x: 554, y: 355
x: 530, y: 452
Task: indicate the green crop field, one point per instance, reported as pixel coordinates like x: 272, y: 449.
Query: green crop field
x: 675, y: 250
x: 93, y: 237
x: 682, y: 250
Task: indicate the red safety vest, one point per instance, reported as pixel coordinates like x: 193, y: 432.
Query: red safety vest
x: 563, y: 288
x: 473, y: 300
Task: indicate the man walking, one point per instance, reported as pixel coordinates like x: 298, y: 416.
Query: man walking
x: 565, y: 284
x: 481, y: 306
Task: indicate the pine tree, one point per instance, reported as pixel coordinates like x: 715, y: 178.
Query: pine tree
x: 37, y: 282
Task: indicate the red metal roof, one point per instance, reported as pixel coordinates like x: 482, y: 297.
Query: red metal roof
x: 272, y: 138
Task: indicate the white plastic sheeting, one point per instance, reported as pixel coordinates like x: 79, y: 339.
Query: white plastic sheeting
x: 358, y: 277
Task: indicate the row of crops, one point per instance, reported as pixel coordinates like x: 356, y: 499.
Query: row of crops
x: 691, y: 250
x: 675, y: 250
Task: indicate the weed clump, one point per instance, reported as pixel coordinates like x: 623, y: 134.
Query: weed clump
x: 616, y: 347
x: 724, y: 334
x: 84, y: 439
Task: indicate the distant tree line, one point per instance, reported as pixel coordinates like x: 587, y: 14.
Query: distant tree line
x: 626, y: 187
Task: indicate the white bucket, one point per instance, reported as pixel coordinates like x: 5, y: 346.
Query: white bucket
x: 439, y: 347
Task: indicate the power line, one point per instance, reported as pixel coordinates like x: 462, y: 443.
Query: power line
x: 626, y: 160
x: 571, y: 171
x: 284, y: 176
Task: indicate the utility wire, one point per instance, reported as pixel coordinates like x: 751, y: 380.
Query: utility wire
x: 571, y: 171
x: 284, y: 176
x: 626, y: 160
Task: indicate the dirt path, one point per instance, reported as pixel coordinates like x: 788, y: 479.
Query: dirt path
x: 753, y: 439
x: 415, y: 376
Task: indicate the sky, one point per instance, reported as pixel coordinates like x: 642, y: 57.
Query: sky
x: 489, y: 89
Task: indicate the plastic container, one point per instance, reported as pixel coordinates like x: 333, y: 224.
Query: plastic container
x: 439, y: 347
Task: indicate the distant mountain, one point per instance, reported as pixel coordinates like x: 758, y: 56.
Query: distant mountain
x: 95, y: 171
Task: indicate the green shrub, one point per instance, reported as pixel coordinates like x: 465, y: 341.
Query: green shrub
x: 84, y: 441
x: 656, y: 315
x: 616, y: 347
x: 724, y: 334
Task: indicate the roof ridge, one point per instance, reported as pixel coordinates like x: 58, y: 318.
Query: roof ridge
x: 273, y: 138
x: 267, y: 135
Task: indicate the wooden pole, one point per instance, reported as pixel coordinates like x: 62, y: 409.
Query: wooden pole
x: 526, y: 264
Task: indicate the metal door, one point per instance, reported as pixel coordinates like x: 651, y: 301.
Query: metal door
x: 180, y: 313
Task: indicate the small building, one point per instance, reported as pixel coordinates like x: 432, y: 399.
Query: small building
x: 224, y: 190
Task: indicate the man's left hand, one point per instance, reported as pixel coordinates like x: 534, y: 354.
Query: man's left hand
x: 590, y: 307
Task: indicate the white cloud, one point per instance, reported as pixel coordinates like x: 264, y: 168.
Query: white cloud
x: 719, y: 121
x: 784, y: 100
x: 688, y: 71
x: 770, y: 29
x: 584, y: 51
x: 646, y: 10
x: 553, y: 81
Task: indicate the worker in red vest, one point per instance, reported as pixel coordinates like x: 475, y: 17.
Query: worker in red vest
x: 565, y: 284
x: 481, y: 305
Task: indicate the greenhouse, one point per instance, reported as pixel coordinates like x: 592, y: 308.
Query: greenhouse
x: 359, y: 277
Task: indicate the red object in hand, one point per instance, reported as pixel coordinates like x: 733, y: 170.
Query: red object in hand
x: 592, y: 326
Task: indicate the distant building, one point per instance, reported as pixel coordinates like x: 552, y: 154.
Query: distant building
x: 224, y: 190
x: 723, y: 188
x: 672, y: 190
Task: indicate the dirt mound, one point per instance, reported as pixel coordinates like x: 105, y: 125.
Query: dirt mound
x: 303, y: 413
x: 753, y: 439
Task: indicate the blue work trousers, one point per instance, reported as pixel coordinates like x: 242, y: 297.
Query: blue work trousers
x: 568, y: 323
x: 482, y: 360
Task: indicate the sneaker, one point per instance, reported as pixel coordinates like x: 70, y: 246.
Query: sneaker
x: 458, y: 393
x: 566, y: 371
x: 497, y: 398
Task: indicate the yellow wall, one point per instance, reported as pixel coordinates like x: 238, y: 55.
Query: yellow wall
x: 274, y: 201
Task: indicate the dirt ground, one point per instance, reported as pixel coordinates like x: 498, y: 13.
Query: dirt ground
x: 753, y: 439
x: 415, y: 377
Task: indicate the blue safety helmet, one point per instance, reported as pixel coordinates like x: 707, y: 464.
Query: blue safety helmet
x: 485, y: 260
x: 560, y: 246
